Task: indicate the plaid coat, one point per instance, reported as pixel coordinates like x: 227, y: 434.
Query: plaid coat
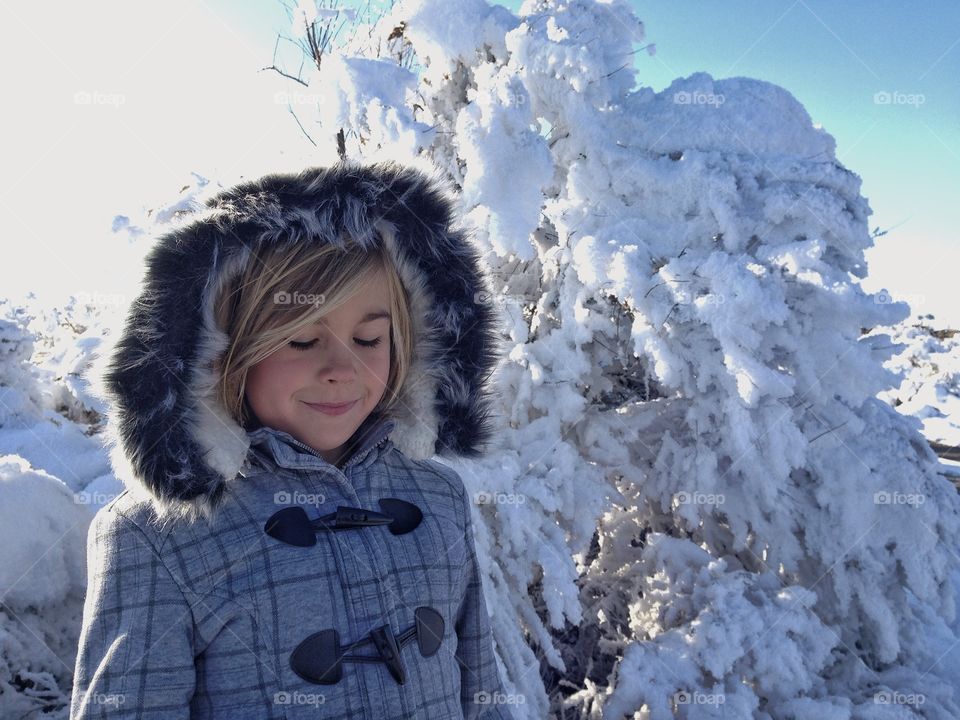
x: 192, y: 609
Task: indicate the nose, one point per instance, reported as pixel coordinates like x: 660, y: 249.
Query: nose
x: 337, y: 362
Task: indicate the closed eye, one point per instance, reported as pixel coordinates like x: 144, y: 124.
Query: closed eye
x: 307, y: 345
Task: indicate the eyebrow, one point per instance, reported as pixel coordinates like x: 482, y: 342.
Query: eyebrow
x: 375, y: 315
x: 369, y: 317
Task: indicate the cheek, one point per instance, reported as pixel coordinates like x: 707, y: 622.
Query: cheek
x: 253, y: 388
x: 384, y: 366
x: 263, y: 380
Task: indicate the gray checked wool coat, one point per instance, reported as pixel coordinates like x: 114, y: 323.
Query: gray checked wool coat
x: 192, y: 608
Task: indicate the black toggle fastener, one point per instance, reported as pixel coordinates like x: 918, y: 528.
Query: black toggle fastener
x: 292, y: 525
x: 319, y: 658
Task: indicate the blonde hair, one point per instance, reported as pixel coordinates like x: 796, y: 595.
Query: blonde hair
x: 258, y: 319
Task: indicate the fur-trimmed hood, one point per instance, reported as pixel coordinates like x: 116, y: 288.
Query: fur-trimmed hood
x: 174, y: 443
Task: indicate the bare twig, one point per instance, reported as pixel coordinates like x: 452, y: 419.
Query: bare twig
x: 302, y: 129
x: 830, y: 430
x: 289, y: 77
x: 617, y: 70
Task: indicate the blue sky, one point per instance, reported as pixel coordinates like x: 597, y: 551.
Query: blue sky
x: 835, y: 57
x: 192, y: 99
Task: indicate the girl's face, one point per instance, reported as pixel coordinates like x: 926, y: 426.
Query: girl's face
x: 344, y: 358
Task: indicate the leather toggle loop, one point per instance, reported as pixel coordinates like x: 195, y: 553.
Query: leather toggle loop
x: 319, y: 658
x: 293, y: 526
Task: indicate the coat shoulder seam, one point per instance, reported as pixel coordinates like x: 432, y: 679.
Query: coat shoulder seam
x: 156, y: 550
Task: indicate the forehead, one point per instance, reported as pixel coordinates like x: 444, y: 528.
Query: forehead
x: 369, y: 303
x: 361, y: 312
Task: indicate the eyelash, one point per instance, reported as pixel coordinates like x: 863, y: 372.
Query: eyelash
x: 307, y: 345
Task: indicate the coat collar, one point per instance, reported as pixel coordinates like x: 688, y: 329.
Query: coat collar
x: 284, y: 450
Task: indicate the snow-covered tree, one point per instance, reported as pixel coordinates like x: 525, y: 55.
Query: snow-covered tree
x: 700, y: 507
x: 42, y: 574
x: 929, y: 365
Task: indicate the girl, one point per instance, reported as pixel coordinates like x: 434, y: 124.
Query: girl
x: 285, y: 548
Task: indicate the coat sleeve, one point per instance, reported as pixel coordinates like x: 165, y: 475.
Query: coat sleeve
x: 135, y: 656
x: 481, y: 692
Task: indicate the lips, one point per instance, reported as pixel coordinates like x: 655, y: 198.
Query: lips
x: 332, y: 409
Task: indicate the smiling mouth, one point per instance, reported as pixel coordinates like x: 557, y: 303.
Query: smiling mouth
x: 332, y: 409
